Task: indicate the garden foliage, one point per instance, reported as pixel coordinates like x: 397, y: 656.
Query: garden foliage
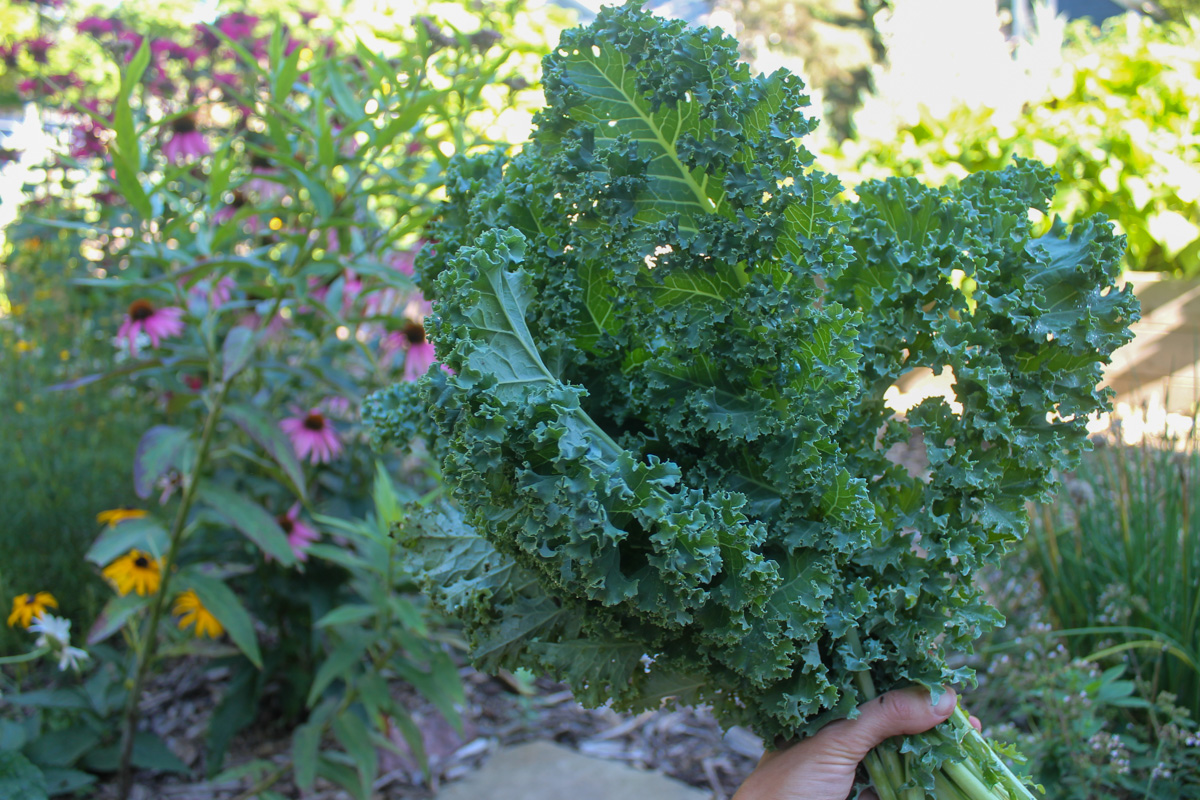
x: 1117, y: 122
x: 666, y: 349
x: 243, y: 208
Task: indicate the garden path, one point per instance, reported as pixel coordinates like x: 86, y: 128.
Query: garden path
x: 547, y: 771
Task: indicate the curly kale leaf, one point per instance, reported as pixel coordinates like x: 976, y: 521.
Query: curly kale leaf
x: 663, y: 416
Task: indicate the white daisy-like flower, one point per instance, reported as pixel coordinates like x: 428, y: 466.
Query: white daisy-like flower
x: 71, y: 657
x: 53, y: 630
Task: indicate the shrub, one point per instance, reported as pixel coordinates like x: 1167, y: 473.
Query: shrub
x: 1118, y: 556
x: 1118, y: 124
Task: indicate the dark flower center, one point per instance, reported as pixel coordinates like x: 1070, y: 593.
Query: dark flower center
x: 414, y: 332
x: 285, y: 522
x: 141, y: 562
x: 185, y: 124
x: 30, y: 600
x: 314, y: 422
x: 140, y: 310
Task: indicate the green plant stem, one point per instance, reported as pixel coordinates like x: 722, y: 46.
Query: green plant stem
x: 956, y: 780
x: 147, y: 652
x: 32, y: 655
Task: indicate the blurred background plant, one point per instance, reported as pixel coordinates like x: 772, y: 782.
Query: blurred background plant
x: 1112, y: 108
x: 214, y: 249
x: 223, y: 245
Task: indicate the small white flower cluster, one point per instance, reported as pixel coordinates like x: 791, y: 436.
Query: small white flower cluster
x: 55, y: 633
x: 1114, y: 603
x: 1118, y: 753
x: 1160, y: 772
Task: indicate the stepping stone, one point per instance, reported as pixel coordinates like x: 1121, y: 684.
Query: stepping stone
x: 548, y: 771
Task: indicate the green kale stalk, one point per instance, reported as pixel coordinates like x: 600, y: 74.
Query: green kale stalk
x: 663, y: 417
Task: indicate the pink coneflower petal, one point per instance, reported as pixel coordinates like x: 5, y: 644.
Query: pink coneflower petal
x: 313, y: 437
x: 299, y: 534
x: 418, y: 360
x: 156, y: 323
x: 186, y: 143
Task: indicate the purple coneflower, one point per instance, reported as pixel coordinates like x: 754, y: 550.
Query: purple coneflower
x: 156, y: 323
x: 237, y: 25
x: 299, y: 534
x: 213, y: 294
x: 98, y: 26
x: 313, y: 437
x: 38, y: 48
x: 186, y: 142
x: 263, y: 181
x: 230, y: 209
x: 418, y: 351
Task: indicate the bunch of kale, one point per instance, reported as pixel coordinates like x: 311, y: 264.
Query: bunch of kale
x: 663, y: 420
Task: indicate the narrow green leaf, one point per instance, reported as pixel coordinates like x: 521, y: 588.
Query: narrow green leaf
x: 220, y: 600
x: 116, y: 613
x: 268, y: 435
x: 349, y: 107
x: 127, y: 157
x: 347, y: 614
x: 306, y: 739
x: 237, y: 351
x: 351, y: 732
x: 61, y: 748
x: 285, y: 77
x: 250, y: 519
x: 161, y: 449
x: 145, y: 534
x: 19, y: 778
x: 344, y: 657
x: 49, y: 698
x: 61, y: 781
x: 331, y: 768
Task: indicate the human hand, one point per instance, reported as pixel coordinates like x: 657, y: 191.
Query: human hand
x: 822, y: 766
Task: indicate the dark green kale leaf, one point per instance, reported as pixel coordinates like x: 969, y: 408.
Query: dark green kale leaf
x: 667, y: 346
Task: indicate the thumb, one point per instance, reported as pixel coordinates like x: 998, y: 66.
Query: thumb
x: 896, y: 713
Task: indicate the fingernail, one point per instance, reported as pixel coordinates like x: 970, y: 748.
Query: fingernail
x: 944, y: 707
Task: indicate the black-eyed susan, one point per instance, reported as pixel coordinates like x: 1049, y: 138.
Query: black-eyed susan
x: 192, y: 614
x: 28, y: 607
x: 134, y: 572
x: 114, y: 516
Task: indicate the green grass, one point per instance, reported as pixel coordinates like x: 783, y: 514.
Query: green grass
x: 1119, y: 558
x: 64, y: 456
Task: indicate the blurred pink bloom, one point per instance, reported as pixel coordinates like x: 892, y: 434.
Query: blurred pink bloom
x: 262, y: 182
x: 403, y: 260
x: 216, y: 294
x: 98, y: 26
x: 237, y: 25
x: 351, y: 288
x: 186, y: 142
x: 156, y: 323
x: 230, y: 210
x: 8, y: 54
x: 88, y: 136
x: 313, y: 437
x: 337, y: 406
x: 128, y: 44
x: 410, y: 339
x: 299, y: 534
x: 38, y: 48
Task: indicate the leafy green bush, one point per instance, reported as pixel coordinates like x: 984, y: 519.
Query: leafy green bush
x: 1118, y: 556
x: 1091, y: 728
x: 64, y: 455
x: 1119, y: 125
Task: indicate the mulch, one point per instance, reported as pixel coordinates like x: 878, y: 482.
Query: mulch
x: 685, y: 743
